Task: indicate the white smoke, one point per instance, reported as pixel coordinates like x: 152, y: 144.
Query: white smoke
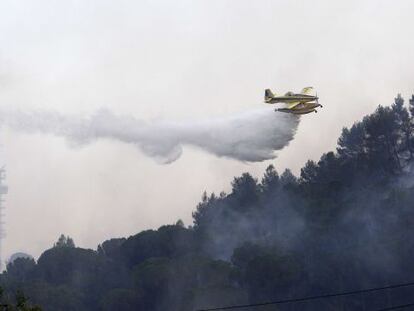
x: 250, y: 136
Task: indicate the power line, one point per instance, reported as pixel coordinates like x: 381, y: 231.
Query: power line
x: 398, y: 307
x: 308, y: 298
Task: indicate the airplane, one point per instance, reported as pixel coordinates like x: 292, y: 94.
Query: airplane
x: 301, y: 103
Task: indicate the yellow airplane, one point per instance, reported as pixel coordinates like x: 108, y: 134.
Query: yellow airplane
x: 301, y: 103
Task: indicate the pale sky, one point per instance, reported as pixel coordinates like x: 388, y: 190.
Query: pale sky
x: 174, y: 60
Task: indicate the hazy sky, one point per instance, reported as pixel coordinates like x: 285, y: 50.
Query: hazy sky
x: 174, y: 60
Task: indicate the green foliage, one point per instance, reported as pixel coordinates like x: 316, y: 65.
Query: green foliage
x: 180, y: 223
x: 270, y: 180
x: 248, y: 251
x: 122, y: 299
x: 21, y: 303
x: 21, y: 269
x: 111, y: 248
x: 167, y: 241
x: 269, y: 274
x: 287, y: 178
x: 64, y: 241
x: 245, y: 192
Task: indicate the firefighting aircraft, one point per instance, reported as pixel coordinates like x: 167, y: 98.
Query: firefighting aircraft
x: 301, y: 103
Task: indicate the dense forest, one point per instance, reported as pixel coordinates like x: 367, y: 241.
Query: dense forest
x: 346, y: 223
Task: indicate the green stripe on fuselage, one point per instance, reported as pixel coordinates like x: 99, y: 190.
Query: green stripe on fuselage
x: 289, y: 99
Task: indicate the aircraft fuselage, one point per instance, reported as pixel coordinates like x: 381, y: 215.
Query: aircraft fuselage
x: 291, y: 99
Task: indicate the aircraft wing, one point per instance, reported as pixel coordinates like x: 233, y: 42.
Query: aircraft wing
x: 292, y: 105
x: 306, y: 90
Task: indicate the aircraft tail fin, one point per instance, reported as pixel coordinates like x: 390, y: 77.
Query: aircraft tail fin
x: 268, y: 95
x: 306, y: 90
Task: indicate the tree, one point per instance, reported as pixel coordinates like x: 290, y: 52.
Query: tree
x: 64, y: 241
x: 270, y: 180
x: 21, y: 269
x: 405, y: 127
x: 268, y: 276
x: 122, y: 299
x: 203, y: 213
x: 168, y: 242
x: 111, y: 248
x: 245, y: 192
x: 382, y: 140
x: 152, y: 278
x: 411, y: 106
x: 329, y: 169
x: 21, y: 303
x: 309, y: 173
x: 247, y: 252
x: 351, y: 143
x: 287, y: 178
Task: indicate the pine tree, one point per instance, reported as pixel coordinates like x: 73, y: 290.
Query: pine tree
x: 404, y: 125
x: 270, y: 180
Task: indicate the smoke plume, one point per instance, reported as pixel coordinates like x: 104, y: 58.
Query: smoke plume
x: 251, y: 136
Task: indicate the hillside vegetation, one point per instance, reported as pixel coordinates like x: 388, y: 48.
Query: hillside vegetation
x: 345, y: 223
